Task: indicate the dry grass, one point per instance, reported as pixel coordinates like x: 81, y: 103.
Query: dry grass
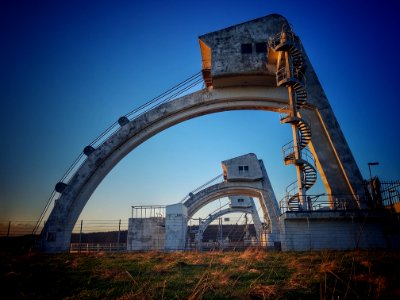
x: 253, y: 274
x: 264, y: 292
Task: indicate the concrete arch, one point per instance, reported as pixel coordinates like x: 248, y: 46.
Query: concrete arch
x: 57, y: 232
x: 212, y: 217
x: 220, y: 190
x: 223, y: 212
x: 257, y: 189
x: 244, y: 176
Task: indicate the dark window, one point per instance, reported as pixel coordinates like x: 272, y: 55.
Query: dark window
x: 247, y: 48
x: 240, y: 200
x: 243, y: 169
x: 261, y: 47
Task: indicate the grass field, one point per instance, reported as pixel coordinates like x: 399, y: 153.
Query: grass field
x: 253, y: 274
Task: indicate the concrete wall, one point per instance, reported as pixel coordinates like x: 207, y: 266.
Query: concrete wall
x: 241, y: 201
x: 175, y: 227
x: 146, y: 234
x: 242, y: 168
x: 335, y: 230
x: 228, y: 62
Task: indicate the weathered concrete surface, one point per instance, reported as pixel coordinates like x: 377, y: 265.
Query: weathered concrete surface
x: 57, y: 232
x: 229, y: 67
x: 146, y: 234
x: 242, y: 168
x: 247, y: 184
x: 335, y: 162
x: 336, y: 230
x: 221, y: 52
x: 240, y: 201
x: 175, y: 227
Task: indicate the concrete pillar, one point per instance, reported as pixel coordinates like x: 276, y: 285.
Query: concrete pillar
x: 175, y: 227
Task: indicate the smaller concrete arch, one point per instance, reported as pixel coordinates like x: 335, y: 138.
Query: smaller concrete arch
x: 244, y: 175
x: 246, y: 206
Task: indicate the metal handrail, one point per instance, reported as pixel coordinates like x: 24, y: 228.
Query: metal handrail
x: 291, y: 190
x: 208, y: 183
x: 306, y: 155
x: 289, y: 149
x: 165, y: 97
x: 278, y: 38
x: 329, y: 202
x: 283, y: 112
x: 281, y: 75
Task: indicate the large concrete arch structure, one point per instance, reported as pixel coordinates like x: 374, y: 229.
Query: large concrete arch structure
x: 236, y: 80
x: 57, y: 231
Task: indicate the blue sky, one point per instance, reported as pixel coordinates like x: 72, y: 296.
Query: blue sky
x: 69, y: 69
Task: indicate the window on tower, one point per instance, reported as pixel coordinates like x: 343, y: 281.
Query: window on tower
x: 243, y: 169
x: 261, y: 47
x: 247, y: 48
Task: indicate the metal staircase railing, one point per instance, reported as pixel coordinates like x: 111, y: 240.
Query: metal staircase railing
x: 320, y: 202
x: 292, y: 76
x: 280, y: 42
x: 303, y: 128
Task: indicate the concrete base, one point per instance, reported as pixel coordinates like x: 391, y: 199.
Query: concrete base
x: 272, y: 241
x: 175, y: 227
x: 337, y: 230
x: 146, y: 234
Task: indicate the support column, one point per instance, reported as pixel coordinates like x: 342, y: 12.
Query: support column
x: 175, y: 227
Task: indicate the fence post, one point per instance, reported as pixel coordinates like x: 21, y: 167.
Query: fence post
x: 119, y: 230
x: 80, y: 237
x: 9, y: 228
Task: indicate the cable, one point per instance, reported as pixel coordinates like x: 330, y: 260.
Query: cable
x: 201, y: 187
x: 176, y: 90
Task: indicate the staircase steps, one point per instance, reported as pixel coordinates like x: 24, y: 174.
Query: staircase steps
x: 293, y: 76
x: 303, y: 127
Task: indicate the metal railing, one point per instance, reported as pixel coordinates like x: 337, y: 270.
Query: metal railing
x: 148, y: 211
x: 97, y: 247
x: 165, y: 97
x: 286, y: 36
x: 283, y: 75
x: 322, y: 202
x: 203, y: 186
x: 390, y: 192
x: 16, y: 228
x: 283, y: 112
x: 289, y: 149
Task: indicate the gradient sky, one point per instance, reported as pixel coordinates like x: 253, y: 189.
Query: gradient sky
x: 69, y: 69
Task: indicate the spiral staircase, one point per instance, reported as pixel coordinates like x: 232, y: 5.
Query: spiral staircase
x: 291, y: 75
